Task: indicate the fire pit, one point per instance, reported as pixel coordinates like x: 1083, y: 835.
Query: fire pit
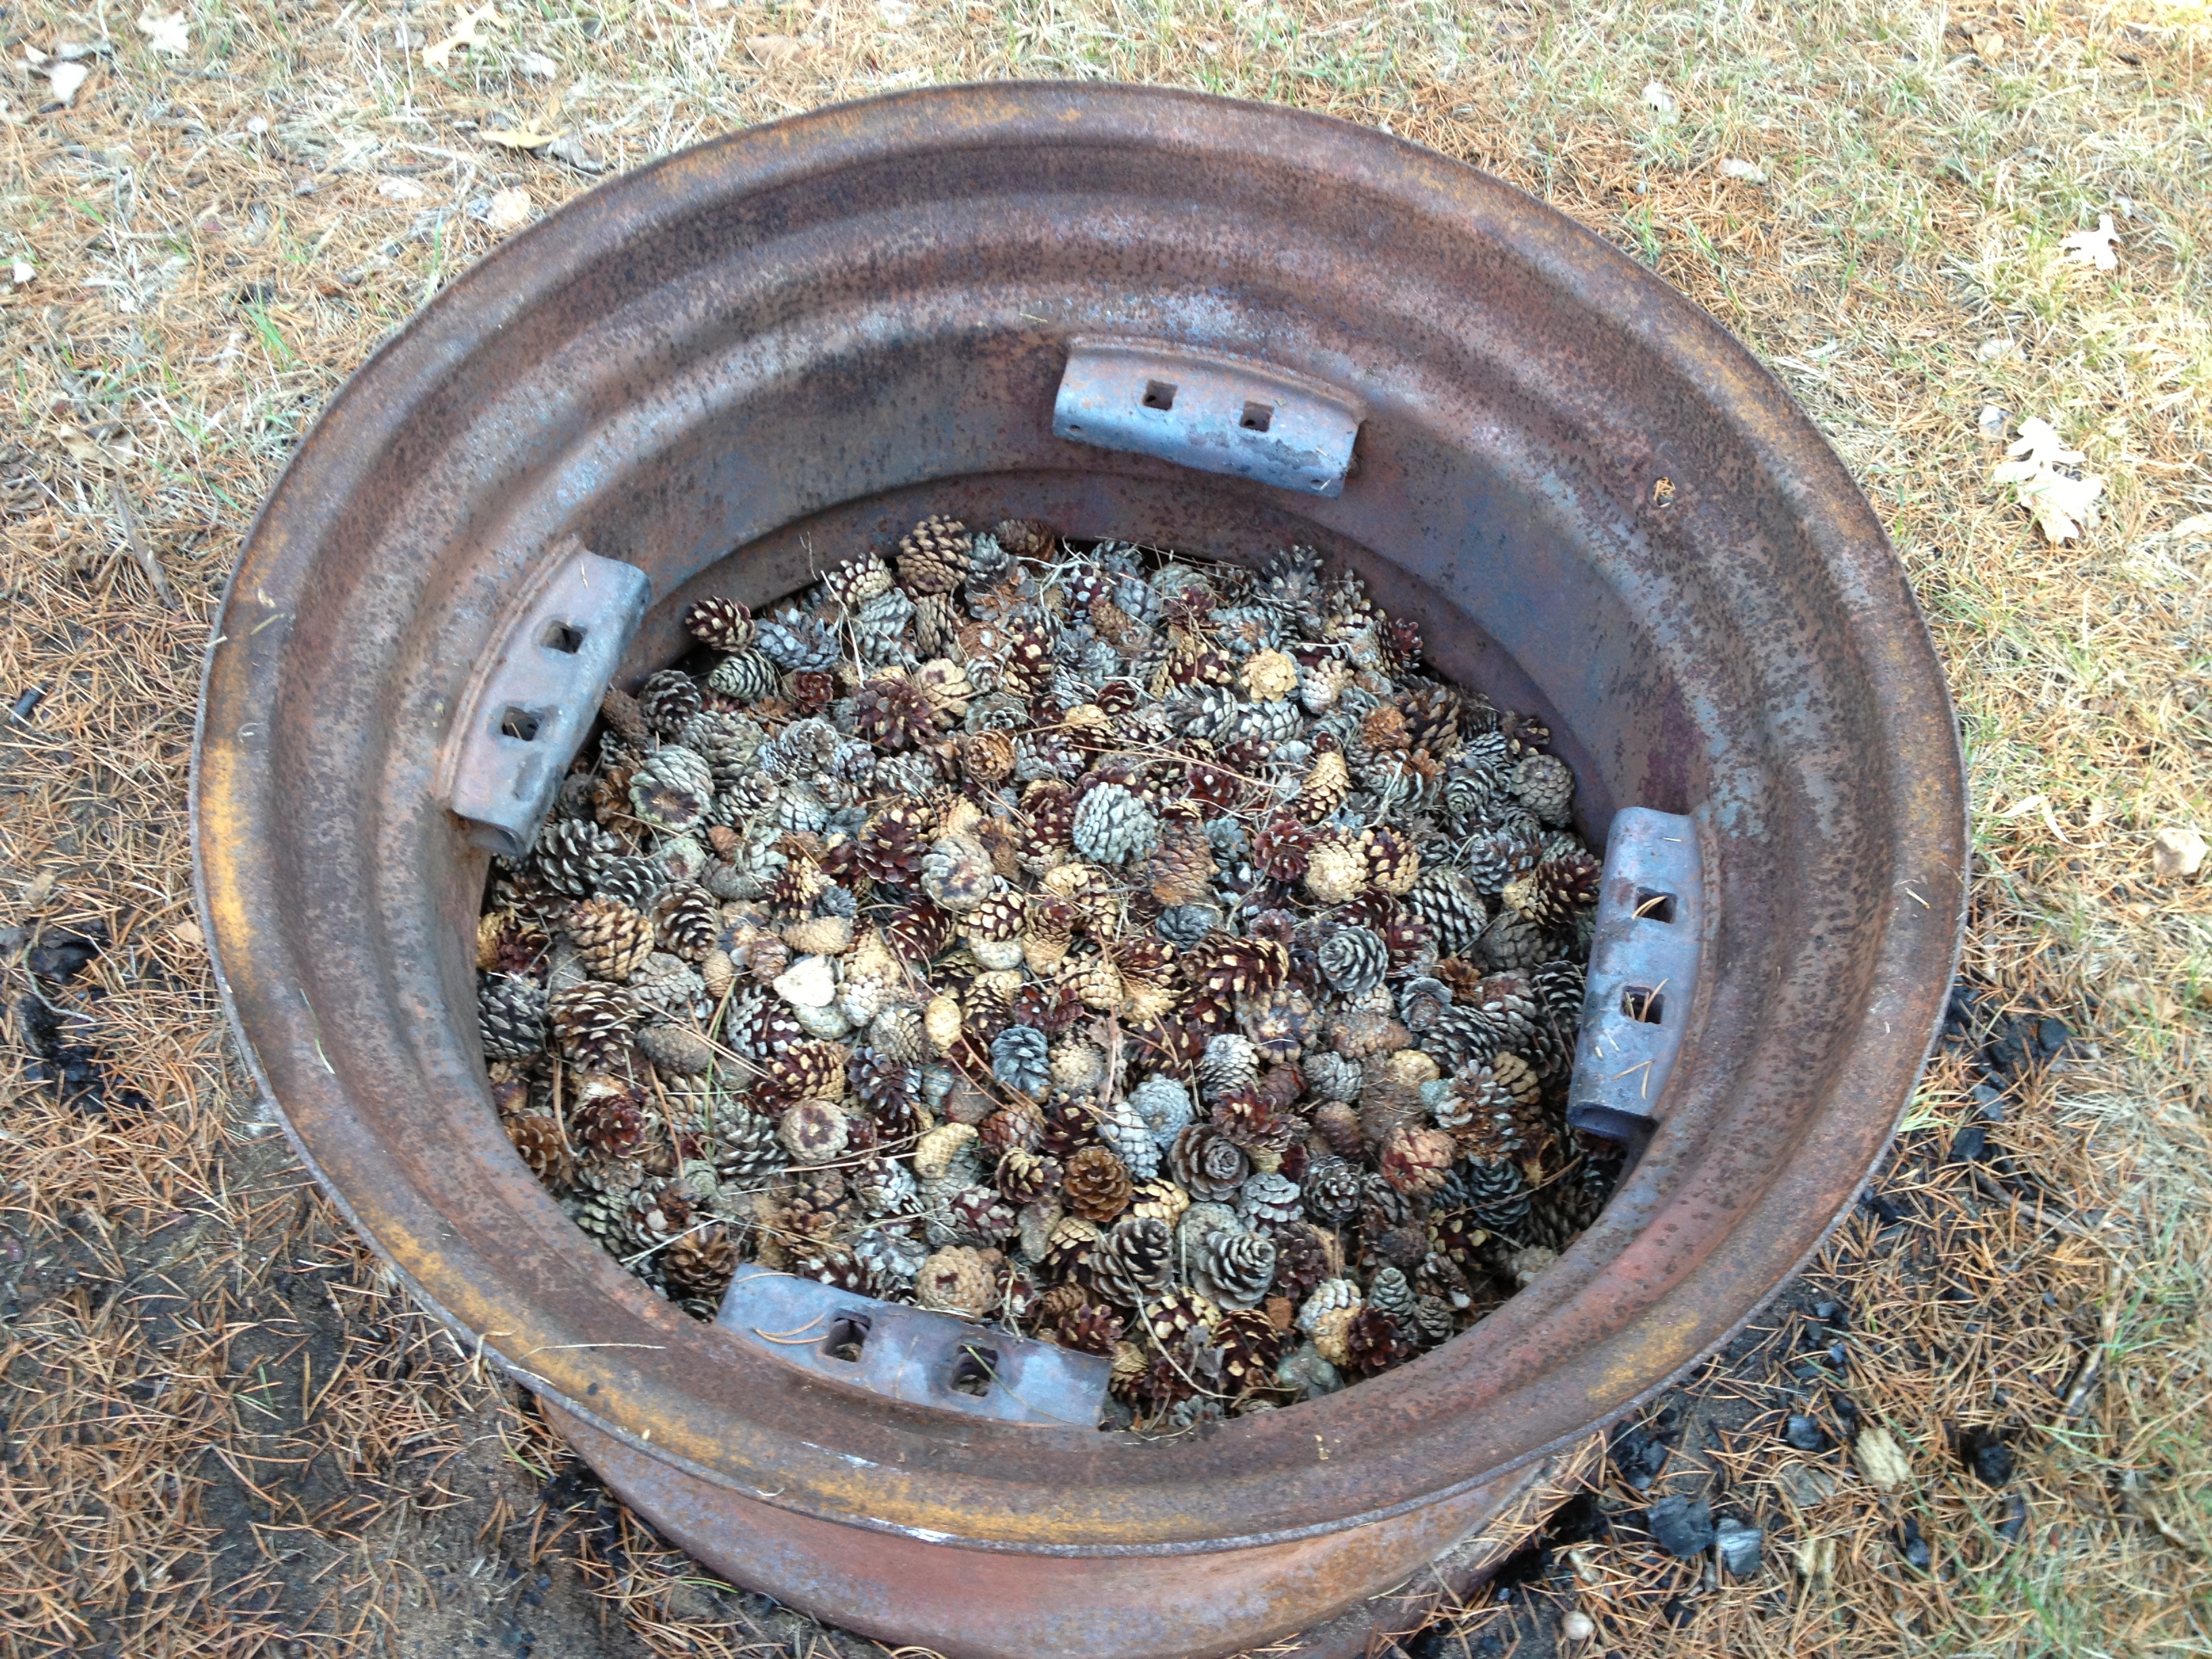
x: 734, y: 368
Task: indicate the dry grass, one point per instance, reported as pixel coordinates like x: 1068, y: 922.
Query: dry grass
x: 228, y: 1435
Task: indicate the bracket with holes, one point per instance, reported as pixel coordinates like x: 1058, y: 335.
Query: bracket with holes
x: 913, y: 1355
x: 1642, y: 973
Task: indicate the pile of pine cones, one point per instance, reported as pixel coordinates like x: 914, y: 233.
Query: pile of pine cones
x: 1139, y: 953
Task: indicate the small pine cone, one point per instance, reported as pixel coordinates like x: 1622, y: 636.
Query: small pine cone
x: 1324, y: 790
x: 1338, y: 1124
x: 1373, y: 1342
x: 1354, y: 959
x: 820, y: 936
x: 687, y: 922
x: 1331, y: 1076
x: 1451, y: 909
x: 745, y: 1146
x: 1176, y: 1313
x: 720, y: 624
x: 511, y: 1017
x: 1134, y: 1261
x: 1113, y: 827
x: 566, y: 852
x: 1302, y: 1262
x: 746, y: 675
x: 1388, y: 1293
x: 699, y: 1266
x: 1026, y: 1177
x: 676, y: 1051
x: 1089, y: 1328
x: 1497, y: 1195
x: 1234, y: 1267
x: 1556, y: 888
x: 894, y: 713
x: 1336, y: 871
x: 856, y: 581
x: 609, y: 1126
x: 1225, y: 967
x: 591, y: 1025
x: 1206, y: 1163
x: 957, y: 874
x: 1332, y: 1190
x: 1267, y: 1201
x: 1545, y: 785
x: 1330, y: 1296
x: 885, y: 1086
x: 933, y: 556
x: 988, y: 757
x: 1269, y: 675
x: 812, y: 1070
x: 958, y: 1280
x: 980, y: 1215
x: 1282, y: 848
x: 1416, y: 1158
x: 1159, y: 1198
x: 1096, y: 1184
x: 672, y: 789
x: 1231, y: 1064
x: 1021, y: 1058
x: 1514, y: 941
x: 1071, y: 1250
x: 1394, y: 864
x: 1362, y: 1034
x: 761, y: 1026
x: 918, y: 932
x: 794, y: 641
x: 668, y: 699
x: 537, y: 1138
x: 812, y: 1131
x: 1181, y: 869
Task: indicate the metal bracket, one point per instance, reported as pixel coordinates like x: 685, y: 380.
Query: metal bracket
x: 912, y: 1355
x: 534, y: 697
x: 1202, y: 409
x: 1642, y: 972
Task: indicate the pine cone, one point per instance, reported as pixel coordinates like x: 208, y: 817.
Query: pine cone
x: 1097, y: 1183
x: 794, y: 641
x: 813, y: 1131
x: 1497, y: 1195
x: 720, y: 624
x: 1021, y: 1058
x: 677, y: 1052
x: 746, y: 675
x: 612, y: 940
x: 1336, y: 871
x: 1281, y: 849
x: 511, y: 1017
x: 537, y: 1138
x: 1134, y: 1261
x: 1373, y: 1342
x: 672, y: 789
x: 1324, y: 790
x: 746, y: 1146
x: 1267, y: 1201
x: 958, y: 1280
x: 609, y: 1126
x: 1302, y: 1262
x: 566, y: 849
x: 1416, y: 1158
x: 668, y: 699
x: 894, y: 713
x: 1545, y: 785
x: 1234, y: 1267
x: 687, y: 922
x: 1354, y: 959
x: 933, y: 556
x: 1207, y: 1163
x: 956, y: 873
x: 592, y: 1024
x: 1450, y: 907
x: 1113, y: 827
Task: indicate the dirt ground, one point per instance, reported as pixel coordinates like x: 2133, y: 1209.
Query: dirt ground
x: 1974, y: 1427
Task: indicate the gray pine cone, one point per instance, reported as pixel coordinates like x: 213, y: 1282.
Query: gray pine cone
x: 879, y: 629
x: 1387, y: 1292
x: 1545, y: 785
x: 1333, y: 1191
x: 1497, y: 1196
x: 1021, y: 1058
x: 729, y: 741
x: 748, y: 676
x: 1113, y: 827
x: 667, y: 700
x: 1164, y: 1105
x: 511, y: 1015
x: 1450, y: 906
x: 1234, y: 1269
x: 1183, y: 924
x: 673, y: 788
x: 745, y: 1146
x: 566, y: 852
x: 795, y: 641
x: 1268, y: 1200
x: 1355, y: 959
x: 1134, y: 1262
x: 1230, y: 1062
x: 1129, y: 1135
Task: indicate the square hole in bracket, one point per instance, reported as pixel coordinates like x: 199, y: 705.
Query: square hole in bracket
x: 1258, y: 418
x: 974, y: 1371
x: 849, y: 1334
x: 520, y: 724
x: 1652, y: 905
x: 1159, y: 394
x: 565, y: 637
x: 1643, y: 1003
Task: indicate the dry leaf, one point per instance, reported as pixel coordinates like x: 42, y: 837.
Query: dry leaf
x: 1750, y: 172
x: 400, y: 189
x: 569, y: 149
x: 1990, y: 47
x: 2177, y: 852
x: 2094, y: 247
x: 188, y: 933
x: 2063, y: 504
x: 1881, y: 1459
x: 524, y: 139
x: 510, y: 210
x: 165, y: 31
x: 772, y: 48
x: 1659, y: 98
x: 66, y: 79
x: 88, y: 451
x: 21, y: 275
x: 538, y: 66
x: 437, y: 56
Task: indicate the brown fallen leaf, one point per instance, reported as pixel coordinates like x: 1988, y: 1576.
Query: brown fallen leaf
x: 437, y: 56
x: 510, y: 210
x: 772, y: 48
x: 1881, y: 1459
x: 510, y: 138
x: 2176, y: 852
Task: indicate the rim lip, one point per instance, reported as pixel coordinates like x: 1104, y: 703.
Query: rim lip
x: 1931, y: 821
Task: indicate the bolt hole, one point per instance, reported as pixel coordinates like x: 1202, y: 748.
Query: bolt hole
x: 521, y: 724
x: 1258, y: 418
x: 1159, y: 394
x: 849, y: 1334
x: 1654, y: 907
x: 563, y: 637
x: 1645, y: 1004
x: 974, y: 1371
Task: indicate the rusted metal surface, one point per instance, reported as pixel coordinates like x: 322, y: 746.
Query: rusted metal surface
x: 1643, y: 978
x: 913, y: 1356
x: 788, y: 344
x: 538, y: 692
x: 1200, y: 409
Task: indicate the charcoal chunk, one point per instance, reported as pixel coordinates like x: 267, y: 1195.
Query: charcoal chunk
x: 1738, y: 1546
x: 1683, y: 1527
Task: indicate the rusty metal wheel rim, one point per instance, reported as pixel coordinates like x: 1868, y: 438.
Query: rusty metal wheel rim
x: 1719, y: 1212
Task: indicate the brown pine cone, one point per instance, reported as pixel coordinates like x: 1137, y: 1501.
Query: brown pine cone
x: 610, y: 1126
x: 960, y: 1281
x: 720, y: 623
x: 1302, y: 1260
x: 1250, y: 1345
x: 699, y: 1266
x: 988, y: 757
x: 1416, y: 1158
x: 894, y: 713
x: 933, y: 556
x: 1182, y: 868
x: 1096, y: 1184
x: 813, y: 1070
x: 1089, y: 1328
x: 1373, y: 1342
x: 1281, y: 847
x: 1025, y: 1176
x: 1207, y: 1163
x: 592, y: 1024
x: 687, y: 922
x: 613, y: 939
x: 537, y: 1138
x: 813, y: 1131
x: 1135, y: 1261
x: 1339, y: 1125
